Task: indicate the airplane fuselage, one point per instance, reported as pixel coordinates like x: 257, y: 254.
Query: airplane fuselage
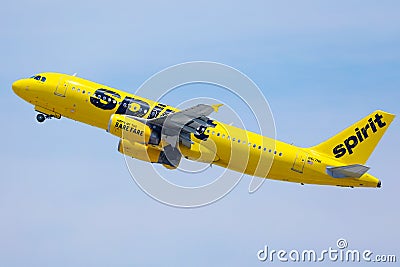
x: 61, y: 95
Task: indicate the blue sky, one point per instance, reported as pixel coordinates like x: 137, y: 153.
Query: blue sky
x: 66, y: 197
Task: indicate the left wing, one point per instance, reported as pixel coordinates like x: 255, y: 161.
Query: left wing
x: 178, y: 126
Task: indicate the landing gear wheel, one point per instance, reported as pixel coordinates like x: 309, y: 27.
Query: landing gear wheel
x: 40, y: 117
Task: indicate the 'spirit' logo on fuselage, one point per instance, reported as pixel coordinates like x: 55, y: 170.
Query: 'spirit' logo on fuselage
x: 360, y: 136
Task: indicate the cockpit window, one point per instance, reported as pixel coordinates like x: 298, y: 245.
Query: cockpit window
x: 39, y: 78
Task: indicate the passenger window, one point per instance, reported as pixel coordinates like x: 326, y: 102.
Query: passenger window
x: 218, y: 134
x: 275, y: 152
x: 223, y: 136
x: 83, y: 91
x: 254, y: 145
x: 270, y: 150
x: 229, y: 138
x: 213, y: 132
x: 259, y: 147
x: 239, y: 141
x: 73, y: 88
x: 233, y: 139
x: 43, y: 79
x: 265, y: 149
x: 88, y: 93
x: 280, y: 154
x: 79, y: 89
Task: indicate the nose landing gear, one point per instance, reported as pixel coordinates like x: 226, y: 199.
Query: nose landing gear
x: 42, y: 117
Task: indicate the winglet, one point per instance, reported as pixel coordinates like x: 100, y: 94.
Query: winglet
x: 216, y: 107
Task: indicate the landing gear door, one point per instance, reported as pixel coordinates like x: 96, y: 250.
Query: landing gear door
x: 61, y: 87
x: 298, y: 164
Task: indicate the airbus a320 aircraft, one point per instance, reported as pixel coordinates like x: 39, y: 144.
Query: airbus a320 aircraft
x: 162, y: 134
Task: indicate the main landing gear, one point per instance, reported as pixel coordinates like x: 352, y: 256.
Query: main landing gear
x: 42, y: 117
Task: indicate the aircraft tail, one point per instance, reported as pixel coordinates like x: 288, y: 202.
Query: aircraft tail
x: 355, y: 144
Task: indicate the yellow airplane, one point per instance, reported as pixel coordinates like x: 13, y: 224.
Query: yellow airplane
x: 159, y: 133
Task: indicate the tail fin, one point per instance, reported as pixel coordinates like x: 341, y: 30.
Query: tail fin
x: 355, y: 144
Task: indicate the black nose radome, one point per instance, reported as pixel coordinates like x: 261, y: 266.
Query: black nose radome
x: 379, y: 184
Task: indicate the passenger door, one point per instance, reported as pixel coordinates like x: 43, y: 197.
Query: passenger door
x: 61, y: 87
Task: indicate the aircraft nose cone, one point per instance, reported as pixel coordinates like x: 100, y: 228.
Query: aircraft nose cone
x: 17, y: 86
x: 379, y: 184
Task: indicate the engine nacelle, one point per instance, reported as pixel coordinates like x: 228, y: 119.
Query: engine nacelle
x: 133, y: 130
x: 150, y: 154
x: 139, y: 151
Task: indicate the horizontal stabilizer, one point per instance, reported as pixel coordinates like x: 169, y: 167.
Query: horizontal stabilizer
x: 349, y: 171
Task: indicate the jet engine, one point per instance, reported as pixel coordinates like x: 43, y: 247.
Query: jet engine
x: 140, y: 141
x: 169, y: 157
x: 139, y: 151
